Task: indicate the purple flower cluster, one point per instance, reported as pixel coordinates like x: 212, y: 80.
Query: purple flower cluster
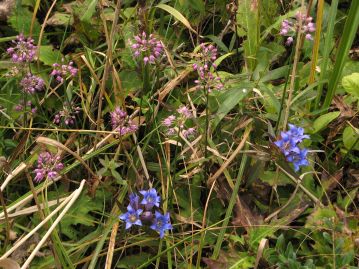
x: 21, y: 106
x: 23, y: 50
x: 48, y: 166
x: 207, y: 80
x: 288, y: 144
x: 149, y: 48
x: 290, y: 27
x: 177, y: 123
x: 30, y: 83
x: 121, y: 123
x: 142, y: 212
x: 62, y: 71
x: 67, y: 115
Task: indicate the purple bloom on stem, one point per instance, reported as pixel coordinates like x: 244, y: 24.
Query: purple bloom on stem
x: 30, y: 83
x: 207, y: 80
x: 189, y: 132
x: 48, y: 165
x: 169, y: 120
x: 61, y: 72
x: 292, y: 27
x: 67, y: 115
x: 121, y: 123
x: 150, y: 198
x: 289, y: 41
x: 184, y: 111
x: 23, y: 51
x: 131, y: 217
x: 149, y: 47
x: 161, y: 223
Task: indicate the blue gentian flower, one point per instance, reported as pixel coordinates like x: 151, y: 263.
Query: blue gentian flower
x: 161, y: 223
x: 150, y: 198
x: 131, y: 217
x: 298, y: 158
x: 134, y: 200
x: 297, y: 133
x: 288, y: 144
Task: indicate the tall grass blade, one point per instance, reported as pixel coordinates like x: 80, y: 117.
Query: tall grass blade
x: 350, y: 29
x: 316, y: 41
x: 327, y: 48
x: 232, y: 201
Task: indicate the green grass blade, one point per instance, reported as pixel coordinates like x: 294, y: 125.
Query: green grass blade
x: 350, y: 29
x: 232, y: 201
x: 327, y: 48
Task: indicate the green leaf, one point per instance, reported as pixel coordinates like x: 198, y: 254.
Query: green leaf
x: 323, y: 121
x: 274, y: 178
x: 346, y: 40
x: 350, y: 137
x: 91, y: 8
x: 228, y: 101
x: 49, y: 55
x: 218, y: 42
x: 197, y: 5
x: 175, y: 13
x: 20, y: 20
x: 60, y: 18
x: 133, y: 261
x: 351, y: 84
x: 248, y: 20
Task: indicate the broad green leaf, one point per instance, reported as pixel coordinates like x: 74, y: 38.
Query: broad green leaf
x: 218, y: 42
x: 60, y: 18
x: 20, y: 20
x: 48, y: 55
x: 230, y: 99
x: 90, y: 10
x: 323, y: 121
x: 274, y: 178
x: 351, y: 84
x: 350, y: 137
x: 248, y: 20
x: 175, y: 13
x: 133, y: 261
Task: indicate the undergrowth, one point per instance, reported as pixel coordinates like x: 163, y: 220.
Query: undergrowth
x: 179, y: 134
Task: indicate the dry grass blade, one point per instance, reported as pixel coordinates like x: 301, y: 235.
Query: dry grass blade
x: 111, y: 246
x: 33, y: 231
x: 262, y: 245
x: 13, y: 174
x: 74, y: 197
x: 212, y: 179
x: 33, y: 209
x: 9, y: 264
x: 172, y: 84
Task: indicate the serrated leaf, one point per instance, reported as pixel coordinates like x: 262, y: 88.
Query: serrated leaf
x: 323, y: 121
x: 351, y: 84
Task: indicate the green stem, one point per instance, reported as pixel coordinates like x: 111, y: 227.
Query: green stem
x: 232, y: 201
